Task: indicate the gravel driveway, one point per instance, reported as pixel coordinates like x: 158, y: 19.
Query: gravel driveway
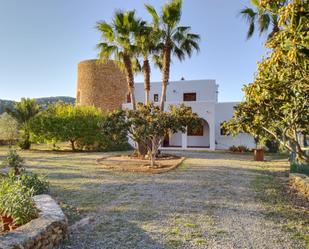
x: 206, y: 203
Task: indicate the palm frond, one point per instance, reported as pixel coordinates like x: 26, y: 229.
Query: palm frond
x: 152, y: 11
x: 264, y: 22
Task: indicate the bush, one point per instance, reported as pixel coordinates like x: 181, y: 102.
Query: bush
x: 239, y: 149
x: 81, y: 126
x: 16, y: 201
x: 14, y: 161
x: 272, y: 146
x: 33, y: 181
x: 299, y: 168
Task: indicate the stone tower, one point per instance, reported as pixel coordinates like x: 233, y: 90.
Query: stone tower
x: 100, y: 85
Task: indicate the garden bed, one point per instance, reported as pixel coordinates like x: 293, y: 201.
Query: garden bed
x: 164, y: 163
x: 44, y: 232
x: 300, y: 182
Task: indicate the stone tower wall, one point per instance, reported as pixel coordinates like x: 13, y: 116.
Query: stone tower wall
x: 100, y: 85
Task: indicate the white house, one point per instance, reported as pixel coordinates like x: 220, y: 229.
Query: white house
x: 202, y: 97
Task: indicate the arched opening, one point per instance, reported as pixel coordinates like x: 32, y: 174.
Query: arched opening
x: 199, y: 136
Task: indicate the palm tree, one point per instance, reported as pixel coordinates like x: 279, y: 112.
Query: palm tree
x: 261, y: 17
x: 147, y: 40
x: 23, y: 111
x: 176, y: 40
x: 117, y: 44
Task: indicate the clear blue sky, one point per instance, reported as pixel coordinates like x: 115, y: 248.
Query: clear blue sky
x: 43, y: 40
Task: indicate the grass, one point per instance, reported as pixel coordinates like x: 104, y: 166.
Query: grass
x: 283, y: 206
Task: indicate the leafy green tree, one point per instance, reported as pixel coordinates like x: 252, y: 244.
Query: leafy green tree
x: 63, y: 122
x: 277, y: 102
x: 85, y: 127
x: 147, y: 125
x: 117, y: 44
x: 8, y: 128
x: 175, y: 39
x: 263, y: 18
x: 23, y: 112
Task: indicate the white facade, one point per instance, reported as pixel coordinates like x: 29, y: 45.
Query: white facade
x: 204, y: 101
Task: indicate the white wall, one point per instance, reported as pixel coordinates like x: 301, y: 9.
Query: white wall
x: 175, y: 139
x: 206, y: 90
x: 224, y: 112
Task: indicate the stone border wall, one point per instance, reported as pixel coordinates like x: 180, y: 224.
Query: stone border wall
x: 300, y: 182
x: 42, y: 233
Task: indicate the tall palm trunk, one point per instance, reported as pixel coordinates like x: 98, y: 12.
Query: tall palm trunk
x: 165, y: 71
x: 146, y: 70
x: 130, y: 78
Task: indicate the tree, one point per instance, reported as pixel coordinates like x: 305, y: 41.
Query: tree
x: 23, y: 112
x: 261, y: 17
x: 277, y: 102
x: 147, y: 125
x: 85, y: 127
x: 147, y: 43
x: 176, y: 40
x: 8, y: 128
x: 64, y: 122
x: 117, y: 44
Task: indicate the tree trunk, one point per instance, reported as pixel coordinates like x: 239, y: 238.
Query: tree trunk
x: 146, y: 70
x: 165, y: 71
x: 129, y: 78
x: 72, y: 144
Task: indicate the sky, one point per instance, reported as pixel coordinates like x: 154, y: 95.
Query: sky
x: 42, y: 42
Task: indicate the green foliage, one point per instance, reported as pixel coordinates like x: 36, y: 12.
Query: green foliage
x: 276, y: 104
x: 173, y: 39
x: 299, y: 168
x: 23, y: 112
x: 38, y: 184
x: 81, y: 126
x: 147, y: 125
x: 16, y: 201
x: 8, y: 128
x: 14, y: 161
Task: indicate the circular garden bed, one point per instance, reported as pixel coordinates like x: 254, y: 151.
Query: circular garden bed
x: 164, y: 163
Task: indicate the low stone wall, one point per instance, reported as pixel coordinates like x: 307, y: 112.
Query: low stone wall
x: 300, y: 182
x: 41, y: 233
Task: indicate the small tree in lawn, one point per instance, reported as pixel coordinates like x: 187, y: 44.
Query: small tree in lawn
x: 148, y: 125
x: 14, y: 161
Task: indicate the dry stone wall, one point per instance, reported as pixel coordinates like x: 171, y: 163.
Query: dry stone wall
x: 42, y: 233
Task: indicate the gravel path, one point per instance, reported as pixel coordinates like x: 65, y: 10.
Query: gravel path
x: 207, y: 203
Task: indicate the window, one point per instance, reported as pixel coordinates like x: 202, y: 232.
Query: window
x: 128, y: 98
x: 223, y: 131
x: 156, y: 97
x: 196, y: 131
x: 189, y: 97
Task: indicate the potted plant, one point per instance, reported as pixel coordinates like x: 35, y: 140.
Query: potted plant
x: 258, y: 152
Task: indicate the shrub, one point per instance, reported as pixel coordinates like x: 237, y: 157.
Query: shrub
x: 14, y: 161
x: 16, y: 201
x: 81, y: 126
x: 299, y: 168
x: 33, y: 181
x: 239, y: 149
